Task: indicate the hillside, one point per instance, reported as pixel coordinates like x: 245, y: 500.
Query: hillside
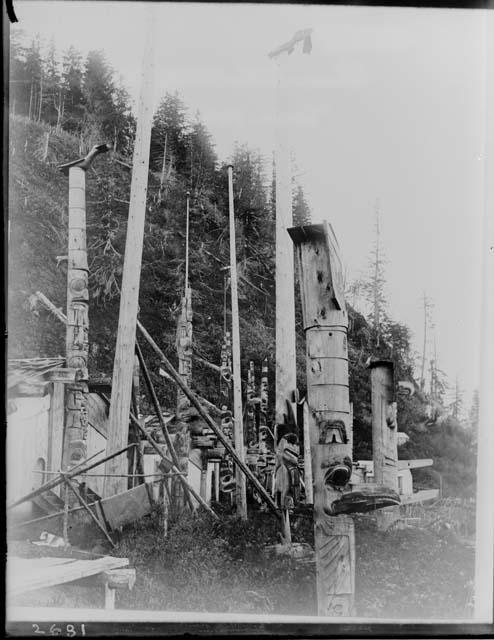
x: 38, y: 236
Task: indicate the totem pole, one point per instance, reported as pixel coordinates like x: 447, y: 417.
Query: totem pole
x: 77, y: 342
x: 325, y: 323
x: 250, y: 426
x: 227, y: 472
x: 184, y: 351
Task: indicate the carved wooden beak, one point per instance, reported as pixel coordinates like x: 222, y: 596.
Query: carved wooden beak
x: 85, y: 163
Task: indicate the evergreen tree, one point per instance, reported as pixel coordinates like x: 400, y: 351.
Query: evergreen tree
x: 98, y: 89
x: 35, y: 76
x: 169, y: 137
x: 54, y: 93
x: 300, y: 208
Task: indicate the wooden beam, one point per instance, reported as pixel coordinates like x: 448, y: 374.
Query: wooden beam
x: 325, y: 323
x: 29, y: 574
x: 118, y: 427
x: 238, y: 429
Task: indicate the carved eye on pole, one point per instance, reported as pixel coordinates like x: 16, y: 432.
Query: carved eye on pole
x: 338, y: 474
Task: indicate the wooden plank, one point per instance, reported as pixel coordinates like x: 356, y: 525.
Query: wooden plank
x: 97, y: 410
x: 118, y: 429
x: 27, y: 574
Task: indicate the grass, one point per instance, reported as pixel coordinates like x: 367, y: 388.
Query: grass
x: 222, y: 566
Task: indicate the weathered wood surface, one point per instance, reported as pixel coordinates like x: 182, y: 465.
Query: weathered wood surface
x: 384, y: 425
x: 238, y: 430
x: 118, y: 429
x: 29, y: 574
x: 325, y: 322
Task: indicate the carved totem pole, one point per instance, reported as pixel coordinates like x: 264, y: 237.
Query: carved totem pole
x: 325, y: 323
x: 184, y: 352
x: 77, y: 342
x: 384, y: 431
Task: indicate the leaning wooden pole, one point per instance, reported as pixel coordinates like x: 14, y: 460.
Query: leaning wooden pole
x: 118, y: 426
x: 77, y: 319
x: 326, y: 323
x: 238, y: 430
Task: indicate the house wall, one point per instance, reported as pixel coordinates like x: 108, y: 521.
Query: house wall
x: 27, y: 446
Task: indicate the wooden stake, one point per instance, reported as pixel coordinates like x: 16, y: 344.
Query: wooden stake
x: 118, y: 423
x: 240, y: 486
x: 325, y: 323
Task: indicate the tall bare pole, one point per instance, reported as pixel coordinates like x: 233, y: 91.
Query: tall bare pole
x: 240, y: 486
x: 184, y: 352
x: 118, y: 427
x: 285, y: 373
x: 77, y: 319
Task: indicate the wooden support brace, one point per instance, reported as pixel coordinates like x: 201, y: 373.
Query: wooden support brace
x: 159, y: 415
x: 210, y: 422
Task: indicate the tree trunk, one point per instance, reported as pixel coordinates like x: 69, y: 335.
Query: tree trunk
x: 118, y: 427
x: 77, y: 343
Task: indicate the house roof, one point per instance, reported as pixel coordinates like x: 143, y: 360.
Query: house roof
x: 30, y: 369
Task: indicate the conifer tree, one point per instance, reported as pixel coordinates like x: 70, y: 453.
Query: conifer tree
x: 72, y: 74
x: 374, y: 286
x: 300, y: 208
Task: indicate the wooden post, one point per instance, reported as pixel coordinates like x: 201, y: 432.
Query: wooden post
x: 326, y: 323
x: 285, y: 373
x: 184, y: 352
x: 384, y: 429
x: 77, y: 327
x: 240, y: 485
x: 309, y: 490
x: 118, y: 422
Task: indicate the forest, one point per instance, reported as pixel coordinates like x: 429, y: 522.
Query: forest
x: 60, y: 107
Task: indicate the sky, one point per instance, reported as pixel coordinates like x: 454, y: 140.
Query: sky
x: 388, y: 111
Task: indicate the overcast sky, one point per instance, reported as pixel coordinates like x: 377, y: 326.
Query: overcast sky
x: 389, y: 107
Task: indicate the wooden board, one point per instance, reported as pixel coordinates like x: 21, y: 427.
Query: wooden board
x: 126, y: 507
x: 36, y: 573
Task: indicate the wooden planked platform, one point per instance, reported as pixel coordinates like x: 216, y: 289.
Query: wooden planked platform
x: 36, y: 573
